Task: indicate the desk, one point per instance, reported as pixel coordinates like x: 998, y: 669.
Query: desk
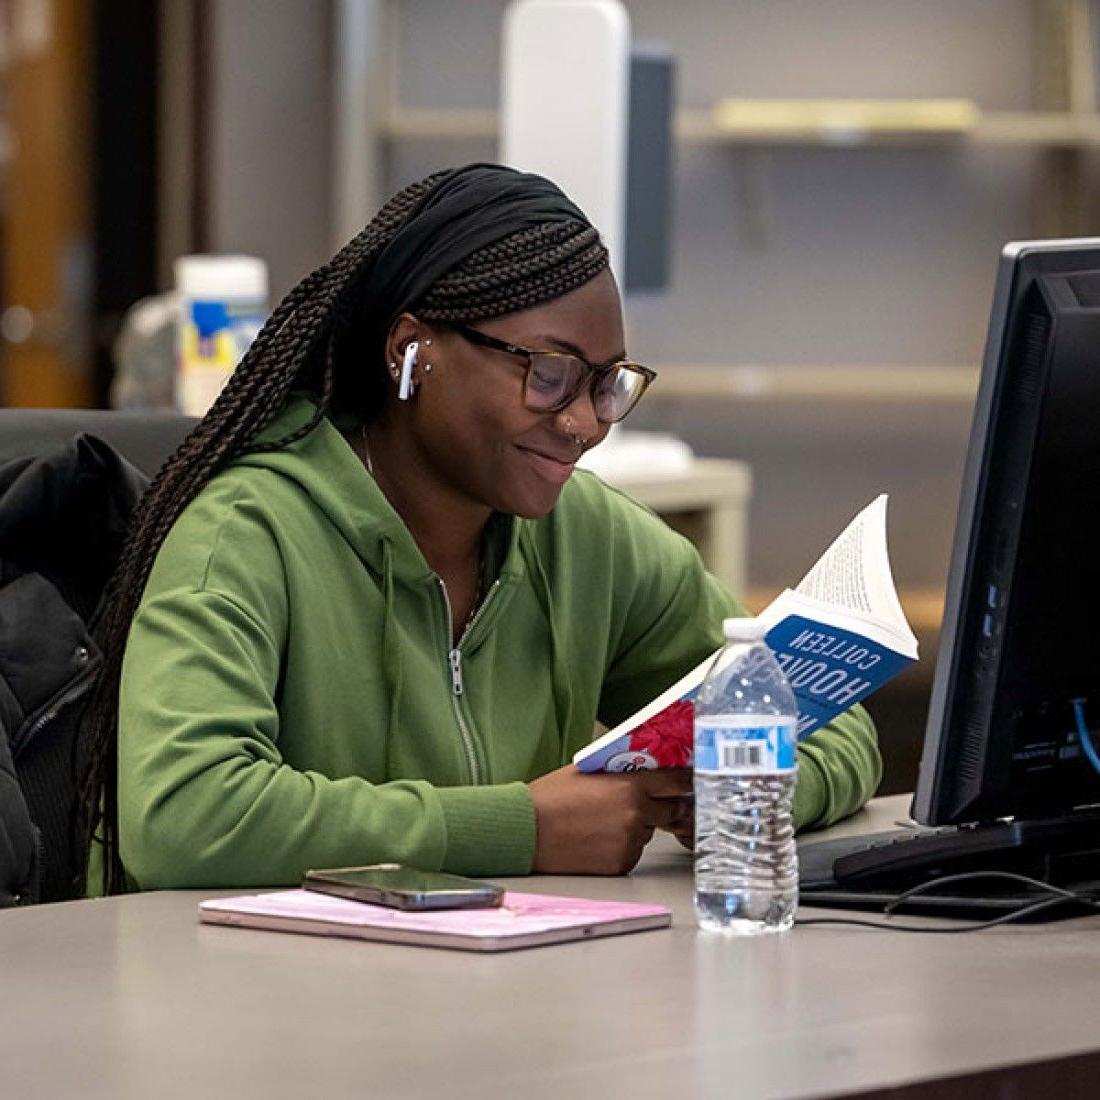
x: 708, y: 506
x: 131, y: 997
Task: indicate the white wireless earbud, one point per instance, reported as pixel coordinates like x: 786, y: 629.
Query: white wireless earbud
x: 404, y: 386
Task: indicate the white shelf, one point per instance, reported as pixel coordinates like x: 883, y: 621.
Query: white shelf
x: 819, y: 381
x: 1058, y: 129
x: 441, y: 123
x: 843, y: 121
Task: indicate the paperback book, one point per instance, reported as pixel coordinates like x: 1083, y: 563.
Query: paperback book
x: 838, y: 636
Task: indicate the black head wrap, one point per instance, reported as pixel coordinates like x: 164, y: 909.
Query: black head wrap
x: 471, y: 207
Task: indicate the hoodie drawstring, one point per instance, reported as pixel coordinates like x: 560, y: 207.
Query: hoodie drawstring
x: 563, y: 697
x: 392, y: 663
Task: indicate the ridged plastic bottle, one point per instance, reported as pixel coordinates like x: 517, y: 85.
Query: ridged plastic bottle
x: 746, y: 863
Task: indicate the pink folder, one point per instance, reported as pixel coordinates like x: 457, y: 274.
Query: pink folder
x: 522, y: 920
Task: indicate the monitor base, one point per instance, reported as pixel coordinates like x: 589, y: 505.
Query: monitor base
x: 870, y: 871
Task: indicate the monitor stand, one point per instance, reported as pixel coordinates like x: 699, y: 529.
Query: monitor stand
x: 869, y: 871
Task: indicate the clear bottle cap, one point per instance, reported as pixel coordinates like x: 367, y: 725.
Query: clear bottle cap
x: 744, y: 629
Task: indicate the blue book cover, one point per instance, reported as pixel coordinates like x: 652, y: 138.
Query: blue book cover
x: 838, y: 636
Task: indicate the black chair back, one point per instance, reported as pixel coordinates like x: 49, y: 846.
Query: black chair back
x: 144, y: 438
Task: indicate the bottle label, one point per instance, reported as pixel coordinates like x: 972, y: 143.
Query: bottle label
x: 745, y: 745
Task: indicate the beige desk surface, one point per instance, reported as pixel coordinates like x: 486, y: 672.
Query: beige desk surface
x: 131, y: 997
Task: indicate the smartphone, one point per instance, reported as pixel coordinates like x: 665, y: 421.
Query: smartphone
x: 402, y: 887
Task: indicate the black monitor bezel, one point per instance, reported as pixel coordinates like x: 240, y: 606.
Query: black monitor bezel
x: 937, y: 800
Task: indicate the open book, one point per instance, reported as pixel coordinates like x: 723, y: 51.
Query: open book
x: 838, y: 636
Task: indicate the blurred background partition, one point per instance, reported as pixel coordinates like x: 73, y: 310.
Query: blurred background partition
x: 47, y: 196
x: 135, y: 131
x: 79, y: 205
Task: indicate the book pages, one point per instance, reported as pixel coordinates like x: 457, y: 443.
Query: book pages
x: 854, y: 573
x: 789, y: 602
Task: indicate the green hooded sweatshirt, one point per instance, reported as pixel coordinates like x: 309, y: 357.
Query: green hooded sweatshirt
x: 291, y: 698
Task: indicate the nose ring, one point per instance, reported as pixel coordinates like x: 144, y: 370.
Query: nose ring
x: 579, y: 440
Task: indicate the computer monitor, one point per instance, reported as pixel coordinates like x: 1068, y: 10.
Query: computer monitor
x: 1019, y: 652
x: 1004, y: 772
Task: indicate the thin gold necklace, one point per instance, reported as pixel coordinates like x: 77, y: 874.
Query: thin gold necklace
x: 479, y: 590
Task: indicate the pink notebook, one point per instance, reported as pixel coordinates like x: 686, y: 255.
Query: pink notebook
x: 523, y: 920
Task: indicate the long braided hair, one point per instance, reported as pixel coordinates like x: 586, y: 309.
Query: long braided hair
x: 317, y: 340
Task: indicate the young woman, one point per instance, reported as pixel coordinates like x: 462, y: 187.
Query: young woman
x: 369, y: 610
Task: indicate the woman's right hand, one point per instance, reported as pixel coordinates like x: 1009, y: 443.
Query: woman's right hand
x: 598, y: 824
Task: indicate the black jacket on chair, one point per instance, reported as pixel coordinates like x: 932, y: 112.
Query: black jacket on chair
x: 63, y: 518
x: 20, y: 842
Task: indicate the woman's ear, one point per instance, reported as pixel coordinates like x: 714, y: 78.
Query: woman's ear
x: 402, y: 345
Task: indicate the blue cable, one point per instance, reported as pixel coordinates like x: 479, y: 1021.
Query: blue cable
x: 1084, y: 735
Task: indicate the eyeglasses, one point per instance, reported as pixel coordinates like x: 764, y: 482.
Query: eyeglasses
x: 554, y: 379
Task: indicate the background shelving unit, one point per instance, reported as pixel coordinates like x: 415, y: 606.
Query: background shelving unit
x: 1059, y: 129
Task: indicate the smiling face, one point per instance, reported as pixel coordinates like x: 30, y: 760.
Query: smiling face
x: 471, y: 429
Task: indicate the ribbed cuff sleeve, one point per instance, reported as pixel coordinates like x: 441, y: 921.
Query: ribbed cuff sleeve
x: 809, y: 794
x: 490, y: 830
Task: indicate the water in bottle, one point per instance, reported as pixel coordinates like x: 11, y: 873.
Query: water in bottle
x: 746, y: 863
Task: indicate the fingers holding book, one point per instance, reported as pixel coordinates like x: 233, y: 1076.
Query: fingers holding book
x: 599, y: 824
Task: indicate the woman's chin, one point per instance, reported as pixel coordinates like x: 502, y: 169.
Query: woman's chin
x: 532, y: 502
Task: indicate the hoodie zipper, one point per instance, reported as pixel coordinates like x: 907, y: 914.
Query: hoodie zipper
x: 68, y: 694
x: 454, y: 663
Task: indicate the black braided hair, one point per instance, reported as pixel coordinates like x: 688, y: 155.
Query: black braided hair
x: 313, y: 341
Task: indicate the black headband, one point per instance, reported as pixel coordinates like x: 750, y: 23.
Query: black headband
x: 470, y: 208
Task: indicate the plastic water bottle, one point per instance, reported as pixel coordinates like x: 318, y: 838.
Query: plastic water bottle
x: 746, y: 863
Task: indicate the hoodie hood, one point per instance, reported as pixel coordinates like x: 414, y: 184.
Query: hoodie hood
x: 324, y: 466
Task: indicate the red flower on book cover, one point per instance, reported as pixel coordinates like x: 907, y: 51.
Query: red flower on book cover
x: 669, y: 736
